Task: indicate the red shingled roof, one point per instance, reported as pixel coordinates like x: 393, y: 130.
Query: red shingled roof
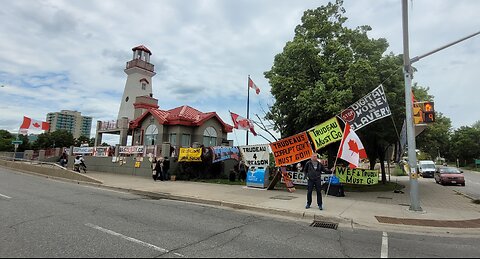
x: 183, y: 115
x: 141, y: 47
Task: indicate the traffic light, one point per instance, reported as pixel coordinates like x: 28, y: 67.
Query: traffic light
x: 423, y: 112
x: 428, y: 112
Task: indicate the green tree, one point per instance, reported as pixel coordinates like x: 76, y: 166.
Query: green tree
x: 435, y: 139
x: 465, y: 143
x: 327, y: 67
x: 6, y: 141
x: 59, y: 138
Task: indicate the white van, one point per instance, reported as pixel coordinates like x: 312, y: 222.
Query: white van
x: 426, y: 168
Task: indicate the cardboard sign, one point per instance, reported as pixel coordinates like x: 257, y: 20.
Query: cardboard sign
x: 286, y: 179
x: 190, y: 155
x: 326, y: 133
x: 369, y: 108
x: 291, y: 150
x: 256, y: 155
x: 357, y: 176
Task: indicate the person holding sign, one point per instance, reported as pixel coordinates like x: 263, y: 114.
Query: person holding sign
x: 313, y: 169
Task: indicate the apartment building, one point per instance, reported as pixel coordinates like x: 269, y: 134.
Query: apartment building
x: 72, y: 121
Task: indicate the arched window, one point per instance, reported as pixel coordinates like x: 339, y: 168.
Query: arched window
x: 151, y: 134
x: 210, y: 137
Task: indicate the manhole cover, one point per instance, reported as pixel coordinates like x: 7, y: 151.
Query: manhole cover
x: 283, y: 197
x: 324, y: 224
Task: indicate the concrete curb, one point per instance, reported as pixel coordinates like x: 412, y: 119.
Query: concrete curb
x: 465, y: 195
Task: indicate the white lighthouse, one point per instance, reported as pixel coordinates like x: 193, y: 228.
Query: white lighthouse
x: 139, y: 81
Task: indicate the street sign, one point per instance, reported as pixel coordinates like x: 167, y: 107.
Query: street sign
x: 17, y: 142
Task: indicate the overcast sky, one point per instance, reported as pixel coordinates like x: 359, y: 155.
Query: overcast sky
x: 57, y: 55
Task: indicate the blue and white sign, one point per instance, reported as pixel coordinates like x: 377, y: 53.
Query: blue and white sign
x: 257, y: 177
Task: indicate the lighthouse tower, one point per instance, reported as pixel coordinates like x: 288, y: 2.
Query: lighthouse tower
x: 139, y: 72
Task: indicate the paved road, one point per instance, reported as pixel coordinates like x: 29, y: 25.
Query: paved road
x: 472, y: 184
x: 48, y: 218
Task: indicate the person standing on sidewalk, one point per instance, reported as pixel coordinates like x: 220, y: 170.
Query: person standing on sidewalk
x: 313, y: 169
x: 160, y: 169
x: 154, y: 169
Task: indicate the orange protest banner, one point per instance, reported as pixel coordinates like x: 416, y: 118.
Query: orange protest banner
x: 291, y: 150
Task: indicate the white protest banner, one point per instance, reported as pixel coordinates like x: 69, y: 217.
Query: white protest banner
x: 255, y: 155
x: 131, y: 149
x: 369, y: 108
x: 300, y: 178
x: 82, y: 150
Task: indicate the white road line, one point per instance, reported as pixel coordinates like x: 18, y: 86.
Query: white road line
x: 130, y: 239
x: 5, y: 196
x: 384, y: 253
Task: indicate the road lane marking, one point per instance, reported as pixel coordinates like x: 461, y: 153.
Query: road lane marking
x: 384, y: 253
x: 131, y: 239
x: 5, y: 196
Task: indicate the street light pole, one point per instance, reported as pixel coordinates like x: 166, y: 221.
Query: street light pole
x: 407, y: 71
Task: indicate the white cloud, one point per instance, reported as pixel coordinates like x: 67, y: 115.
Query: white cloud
x: 58, y: 54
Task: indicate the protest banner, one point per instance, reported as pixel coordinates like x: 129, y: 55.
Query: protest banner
x: 255, y: 155
x: 225, y: 153
x: 131, y: 149
x: 357, y: 176
x: 83, y: 150
x: 190, y: 155
x: 300, y: 178
x: 101, y: 151
x: 369, y: 108
x: 291, y: 150
x: 325, y: 133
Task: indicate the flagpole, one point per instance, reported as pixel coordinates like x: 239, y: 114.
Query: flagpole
x: 248, y: 105
x: 334, y: 164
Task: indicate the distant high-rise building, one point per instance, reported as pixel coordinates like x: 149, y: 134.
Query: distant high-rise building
x: 72, y: 121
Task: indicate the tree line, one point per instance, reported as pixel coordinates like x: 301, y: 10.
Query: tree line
x: 59, y: 138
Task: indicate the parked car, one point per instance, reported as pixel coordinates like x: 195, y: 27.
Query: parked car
x: 426, y: 168
x: 449, y: 175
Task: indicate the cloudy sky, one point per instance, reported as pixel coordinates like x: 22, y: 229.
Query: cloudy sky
x: 57, y: 55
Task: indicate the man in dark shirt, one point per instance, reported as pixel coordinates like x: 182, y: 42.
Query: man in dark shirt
x: 313, y: 169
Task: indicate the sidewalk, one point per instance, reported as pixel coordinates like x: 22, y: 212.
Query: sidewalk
x: 441, y: 205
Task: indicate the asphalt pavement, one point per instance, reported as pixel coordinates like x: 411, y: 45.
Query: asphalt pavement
x: 46, y: 217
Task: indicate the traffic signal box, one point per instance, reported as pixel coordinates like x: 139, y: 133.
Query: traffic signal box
x: 423, y: 112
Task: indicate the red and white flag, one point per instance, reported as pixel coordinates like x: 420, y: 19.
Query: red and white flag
x: 351, y: 148
x: 252, y: 85
x: 34, y: 124
x: 242, y: 123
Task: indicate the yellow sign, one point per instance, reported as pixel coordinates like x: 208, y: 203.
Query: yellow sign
x: 190, y: 155
x: 326, y: 133
x: 357, y: 176
x: 417, y: 114
x: 137, y: 164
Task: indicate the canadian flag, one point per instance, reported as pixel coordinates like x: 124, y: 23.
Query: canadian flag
x: 34, y: 124
x: 242, y: 123
x: 351, y: 148
x: 252, y: 85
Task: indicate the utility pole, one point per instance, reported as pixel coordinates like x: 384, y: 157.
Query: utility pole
x: 408, y: 73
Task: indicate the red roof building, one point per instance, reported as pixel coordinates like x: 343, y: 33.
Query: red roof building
x: 182, y: 126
